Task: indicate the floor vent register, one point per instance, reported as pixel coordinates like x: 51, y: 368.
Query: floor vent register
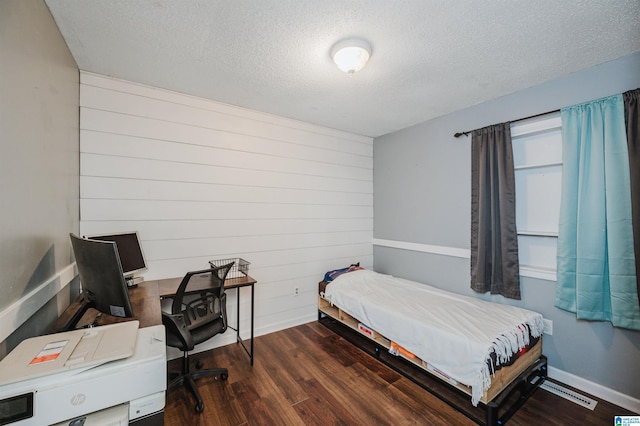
x: 568, y: 394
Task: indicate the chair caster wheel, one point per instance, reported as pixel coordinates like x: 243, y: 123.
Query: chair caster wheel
x: 224, y: 376
x: 199, y: 364
x: 199, y: 407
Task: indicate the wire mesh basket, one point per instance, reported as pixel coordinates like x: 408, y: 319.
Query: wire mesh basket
x: 240, y: 267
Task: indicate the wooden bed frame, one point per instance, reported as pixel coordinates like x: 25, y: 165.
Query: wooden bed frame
x: 524, y: 376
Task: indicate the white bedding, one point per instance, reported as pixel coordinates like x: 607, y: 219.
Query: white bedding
x: 453, y: 333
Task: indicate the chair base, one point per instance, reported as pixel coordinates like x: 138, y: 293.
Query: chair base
x: 188, y: 378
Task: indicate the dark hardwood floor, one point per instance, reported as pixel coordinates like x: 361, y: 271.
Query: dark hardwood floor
x: 308, y: 375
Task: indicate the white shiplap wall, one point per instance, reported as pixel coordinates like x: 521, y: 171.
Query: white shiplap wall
x: 202, y: 180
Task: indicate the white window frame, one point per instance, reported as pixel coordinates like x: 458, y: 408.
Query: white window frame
x: 537, y: 147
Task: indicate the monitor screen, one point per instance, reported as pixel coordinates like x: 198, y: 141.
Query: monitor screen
x: 129, y: 249
x: 101, y: 276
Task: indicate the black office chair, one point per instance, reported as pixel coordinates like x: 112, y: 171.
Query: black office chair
x: 198, y: 312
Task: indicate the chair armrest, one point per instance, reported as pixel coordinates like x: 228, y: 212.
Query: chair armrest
x: 178, y: 335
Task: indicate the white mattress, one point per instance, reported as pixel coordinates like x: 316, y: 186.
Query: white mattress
x: 453, y: 333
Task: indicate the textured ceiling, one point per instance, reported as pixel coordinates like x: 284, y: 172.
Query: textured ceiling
x: 430, y: 57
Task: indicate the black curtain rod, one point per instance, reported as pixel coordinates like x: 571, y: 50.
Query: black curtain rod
x: 457, y: 135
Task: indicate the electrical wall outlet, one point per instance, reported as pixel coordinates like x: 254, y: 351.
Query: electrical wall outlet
x: 548, y: 327
x: 296, y: 291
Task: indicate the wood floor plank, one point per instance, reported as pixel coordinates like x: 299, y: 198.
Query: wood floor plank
x: 270, y: 391
x: 412, y: 396
x: 233, y: 413
x: 308, y: 375
x: 254, y: 407
x: 365, y: 393
x: 322, y: 408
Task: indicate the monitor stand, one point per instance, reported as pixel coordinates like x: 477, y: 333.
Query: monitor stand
x: 73, y: 321
x: 133, y: 281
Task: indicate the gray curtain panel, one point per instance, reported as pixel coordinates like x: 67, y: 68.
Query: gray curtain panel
x: 494, y: 240
x: 632, y: 121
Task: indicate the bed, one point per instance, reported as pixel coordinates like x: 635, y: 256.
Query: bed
x: 480, y: 348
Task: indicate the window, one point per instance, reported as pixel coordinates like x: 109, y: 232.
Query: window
x: 537, y: 157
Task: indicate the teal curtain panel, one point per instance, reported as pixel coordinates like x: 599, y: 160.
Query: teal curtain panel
x: 596, y: 261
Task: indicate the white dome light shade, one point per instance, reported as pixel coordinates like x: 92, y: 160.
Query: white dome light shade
x: 351, y: 55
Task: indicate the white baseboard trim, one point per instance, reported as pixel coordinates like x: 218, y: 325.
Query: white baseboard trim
x: 223, y: 340
x: 229, y: 337
x: 20, y: 311
x: 599, y: 391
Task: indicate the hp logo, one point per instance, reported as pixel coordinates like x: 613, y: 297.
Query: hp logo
x: 78, y: 399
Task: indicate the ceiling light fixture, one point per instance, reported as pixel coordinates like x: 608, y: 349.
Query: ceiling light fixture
x: 351, y: 55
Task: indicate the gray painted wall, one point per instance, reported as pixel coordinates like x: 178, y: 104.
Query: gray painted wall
x: 39, y: 160
x: 422, y: 193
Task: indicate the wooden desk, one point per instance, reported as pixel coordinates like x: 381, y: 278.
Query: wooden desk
x: 145, y: 303
x: 167, y: 288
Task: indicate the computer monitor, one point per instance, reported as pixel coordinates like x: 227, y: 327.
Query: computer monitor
x: 130, y: 251
x: 103, y: 284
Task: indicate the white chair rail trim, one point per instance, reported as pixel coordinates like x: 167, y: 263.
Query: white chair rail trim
x: 525, y: 271
x: 21, y: 310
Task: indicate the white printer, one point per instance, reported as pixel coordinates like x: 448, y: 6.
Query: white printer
x: 108, y: 375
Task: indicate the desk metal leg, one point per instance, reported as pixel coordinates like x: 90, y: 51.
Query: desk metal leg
x: 238, y: 338
x: 252, y: 298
